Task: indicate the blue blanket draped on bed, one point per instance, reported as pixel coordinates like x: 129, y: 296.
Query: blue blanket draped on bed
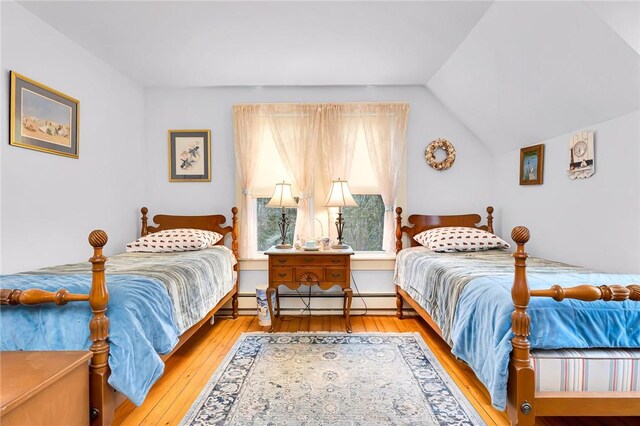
x: 482, y: 334
x: 141, y: 323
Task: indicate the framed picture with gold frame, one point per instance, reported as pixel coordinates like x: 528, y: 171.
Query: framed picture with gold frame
x: 42, y: 118
x: 532, y: 165
x: 190, y: 155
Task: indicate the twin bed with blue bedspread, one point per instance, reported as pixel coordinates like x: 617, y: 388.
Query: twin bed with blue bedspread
x: 581, y: 350
x: 151, y: 300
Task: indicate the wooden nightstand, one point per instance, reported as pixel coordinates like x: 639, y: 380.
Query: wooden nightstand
x: 296, y: 268
x: 44, y: 388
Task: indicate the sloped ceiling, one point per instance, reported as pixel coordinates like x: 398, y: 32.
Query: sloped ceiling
x: 531, y: 71
x: 516, y: 73
x: 623, y: 17
x: 191, y: 44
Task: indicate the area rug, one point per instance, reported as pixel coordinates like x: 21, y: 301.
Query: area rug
x: 331, y: 379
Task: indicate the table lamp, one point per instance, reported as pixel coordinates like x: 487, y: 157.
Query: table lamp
x: 283, y: 199
x: 340, y: 196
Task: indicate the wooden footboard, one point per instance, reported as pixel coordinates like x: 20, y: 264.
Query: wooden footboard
x: 101, y: 398
x: 522, y: 401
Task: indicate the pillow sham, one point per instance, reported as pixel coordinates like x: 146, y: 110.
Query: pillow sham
x: 450, y: 239
x: 181, y: 239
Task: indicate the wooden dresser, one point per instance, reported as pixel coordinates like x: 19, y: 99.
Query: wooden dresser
x: 296, y: 268
x: 44, y: 388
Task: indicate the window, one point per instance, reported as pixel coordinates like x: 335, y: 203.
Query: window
x: 367, y: 226
x: 364, y: 224
x: 268, y: 220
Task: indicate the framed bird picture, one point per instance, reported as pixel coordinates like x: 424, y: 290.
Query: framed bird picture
x: 190, y: 155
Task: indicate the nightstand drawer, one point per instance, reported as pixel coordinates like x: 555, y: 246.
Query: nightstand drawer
x: 302, y: 260
x: 304, y: 275
x: 335, y: 274
x: 282, y: 274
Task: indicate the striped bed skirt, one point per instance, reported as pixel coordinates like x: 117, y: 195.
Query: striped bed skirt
x: 587, y: 370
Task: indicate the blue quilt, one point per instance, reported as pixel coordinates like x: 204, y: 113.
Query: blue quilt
x: 468, y: 295
x: 141, y: 325
x: 481, y: 333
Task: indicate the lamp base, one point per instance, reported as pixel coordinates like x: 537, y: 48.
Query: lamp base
x: 340, y: 246
x: 284, y: 246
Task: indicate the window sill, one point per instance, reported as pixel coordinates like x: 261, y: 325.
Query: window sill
x: 361, y: 261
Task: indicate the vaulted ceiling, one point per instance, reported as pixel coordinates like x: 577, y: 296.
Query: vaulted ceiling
x: 529, y: 71
x: 267, y: 43
x: 515, y: 73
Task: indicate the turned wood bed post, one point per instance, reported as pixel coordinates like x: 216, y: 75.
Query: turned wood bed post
x: 399, y: 299
x: 101, y: 396
x: 490, y: 219
x: 145, y: 230
x: 521, y: 382
x: 236, y: 268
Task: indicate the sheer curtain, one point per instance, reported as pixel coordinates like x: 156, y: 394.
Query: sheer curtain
x: 296, y: 131
x: 385, y: 129
x: 248, y: 129
x: 340, y: 123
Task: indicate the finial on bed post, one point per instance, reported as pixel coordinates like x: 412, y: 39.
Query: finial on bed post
x: 234, y: 249
x: 101, y: 398
x: 490, y: 219
x: 145, y: 230
x: 521, y: 376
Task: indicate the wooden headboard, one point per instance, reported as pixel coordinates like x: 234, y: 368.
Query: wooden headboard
x: 208, y: 223
x: 420, y: 222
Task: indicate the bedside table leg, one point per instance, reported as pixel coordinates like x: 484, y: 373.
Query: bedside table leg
x: 270, y: 291
x: 348, y: 295
x: 277, y: 302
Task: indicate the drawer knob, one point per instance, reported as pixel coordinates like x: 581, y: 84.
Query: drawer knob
x: 281, y: 261
x: 335, y: 260
x: 308, y: 259
x: 335, y: 274
x: 282, y: 274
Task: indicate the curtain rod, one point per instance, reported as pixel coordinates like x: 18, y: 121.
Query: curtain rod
x: 321, y: 103
x: 284, y: 114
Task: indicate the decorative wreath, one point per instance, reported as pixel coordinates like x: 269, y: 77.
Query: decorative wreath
x: 430, y: 154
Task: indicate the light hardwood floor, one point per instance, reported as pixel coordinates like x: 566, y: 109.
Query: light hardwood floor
x: 189, y: 369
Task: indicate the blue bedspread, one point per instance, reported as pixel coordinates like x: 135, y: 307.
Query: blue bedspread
x: 141, y: 325
x: 482, y: 334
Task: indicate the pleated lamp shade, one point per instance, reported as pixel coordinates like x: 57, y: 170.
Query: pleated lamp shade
x: 340, y: 195
x: 282, y: 196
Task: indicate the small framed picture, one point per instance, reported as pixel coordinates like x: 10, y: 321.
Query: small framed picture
x: 190, y: 155
x: 532, y: 165
x: 42, y: 118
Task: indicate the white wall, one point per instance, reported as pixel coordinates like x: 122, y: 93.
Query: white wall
x: 592, y: 222
x: 463, y: 188
x: 51, y: 203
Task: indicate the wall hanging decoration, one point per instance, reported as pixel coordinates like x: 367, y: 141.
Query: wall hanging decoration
x: 190, y: 155
x: 449, y: 150
x: 582, y: 156
x: 531, y: 165
x: 42, y: 118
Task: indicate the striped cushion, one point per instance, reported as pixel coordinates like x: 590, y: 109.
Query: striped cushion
x: 595, y: 370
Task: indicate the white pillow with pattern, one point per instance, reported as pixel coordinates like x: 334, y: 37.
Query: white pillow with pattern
x: 450, y: 239
x: 181, y: 239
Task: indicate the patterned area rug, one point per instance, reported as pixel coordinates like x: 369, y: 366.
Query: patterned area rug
x: 331, y: 379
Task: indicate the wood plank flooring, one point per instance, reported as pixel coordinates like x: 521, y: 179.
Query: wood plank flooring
x: 189, y: 369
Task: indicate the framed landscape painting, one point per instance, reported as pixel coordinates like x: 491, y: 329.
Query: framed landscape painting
x: 531, y: 165
x: 190, y: 155
x: 42, y: 118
